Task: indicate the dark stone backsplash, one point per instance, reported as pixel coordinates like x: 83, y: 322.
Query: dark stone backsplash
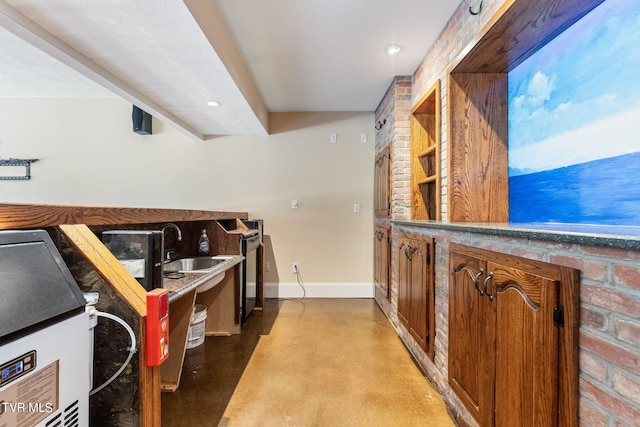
x: 116, y: 405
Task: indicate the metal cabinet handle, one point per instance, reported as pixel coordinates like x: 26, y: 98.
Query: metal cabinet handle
x: 407, y: 252
x: 379, y: 235
x: 486, y: 281
x: 476, y: 281
x: 474, y: 277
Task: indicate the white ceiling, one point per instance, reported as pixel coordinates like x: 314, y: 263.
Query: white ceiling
x: 253, y: 56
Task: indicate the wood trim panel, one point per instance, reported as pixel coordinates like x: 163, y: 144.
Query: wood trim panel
x: 33, y: 216
x: 149, y: 383
x: 569, y: 393
x: 518, y: 29
x: 478, y: 148
x: 106, y: 264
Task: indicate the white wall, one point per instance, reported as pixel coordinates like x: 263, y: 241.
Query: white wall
x: 90, y: 156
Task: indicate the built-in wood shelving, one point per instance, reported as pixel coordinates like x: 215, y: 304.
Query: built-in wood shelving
x: 425, y: 143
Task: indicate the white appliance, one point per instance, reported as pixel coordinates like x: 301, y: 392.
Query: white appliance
x: 45, y: 358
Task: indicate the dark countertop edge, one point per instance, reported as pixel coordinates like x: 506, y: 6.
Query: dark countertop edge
x: 571, y: 234
x: 196, y: 279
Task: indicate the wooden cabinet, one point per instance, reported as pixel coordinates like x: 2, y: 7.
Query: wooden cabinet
x: 382, y: 183
x: 381, y: 259
x: 416, y: 294
x: 513, y: 344
x: 425, y: 143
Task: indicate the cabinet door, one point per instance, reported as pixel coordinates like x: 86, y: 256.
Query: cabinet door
x: 420, y: 293
x: 526, y: 346
x: 382, y: 201
x: 381, y: 260
x: 416, y: 308
x: 404, y: 280
x: 471, y: 367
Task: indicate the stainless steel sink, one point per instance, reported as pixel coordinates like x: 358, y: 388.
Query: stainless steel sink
x: 195, y: 264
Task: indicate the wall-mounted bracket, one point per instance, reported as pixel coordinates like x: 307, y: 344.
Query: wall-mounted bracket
x: 26, y: 163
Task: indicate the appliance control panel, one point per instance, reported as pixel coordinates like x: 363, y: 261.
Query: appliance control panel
x: 17, y: 367
x: 157, y: 323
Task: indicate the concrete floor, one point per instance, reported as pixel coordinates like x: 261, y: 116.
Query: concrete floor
x: 321, y: 362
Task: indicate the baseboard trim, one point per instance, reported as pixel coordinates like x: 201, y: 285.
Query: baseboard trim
x: 319, y: 290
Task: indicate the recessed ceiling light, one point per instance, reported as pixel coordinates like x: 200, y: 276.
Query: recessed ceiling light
x: 213, y: 103
x: 392, y: 49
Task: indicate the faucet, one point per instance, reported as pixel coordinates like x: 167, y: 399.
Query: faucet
x: 167, y: 255
x: 175, y: 227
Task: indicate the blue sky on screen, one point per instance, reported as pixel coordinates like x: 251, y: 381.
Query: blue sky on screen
x: 589, y: 73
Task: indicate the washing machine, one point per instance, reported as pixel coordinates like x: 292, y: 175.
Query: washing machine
x: 45, y: 360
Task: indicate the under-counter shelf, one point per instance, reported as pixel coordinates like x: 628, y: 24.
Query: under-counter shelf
x: 223, y: 312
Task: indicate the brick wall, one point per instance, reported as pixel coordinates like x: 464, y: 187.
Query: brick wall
x: 610, y: 278
x: 395, y: 108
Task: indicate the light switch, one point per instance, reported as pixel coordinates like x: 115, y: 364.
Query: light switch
x: 334, y: 138
x: 294, y: 204
x: 356, y: 207
x: 363, y: 138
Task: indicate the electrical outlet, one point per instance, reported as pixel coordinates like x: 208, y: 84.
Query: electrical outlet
x: 294, y: 268
x: 267, y: 267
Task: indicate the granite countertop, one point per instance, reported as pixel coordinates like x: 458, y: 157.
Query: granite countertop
x: 180, y: 284
x: 614, y: 236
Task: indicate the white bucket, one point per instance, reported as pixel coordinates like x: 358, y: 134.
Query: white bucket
x: 196, y: 328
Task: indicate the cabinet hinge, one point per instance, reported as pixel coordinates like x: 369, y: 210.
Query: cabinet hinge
x: 558, y: 315
x: 428, y: 338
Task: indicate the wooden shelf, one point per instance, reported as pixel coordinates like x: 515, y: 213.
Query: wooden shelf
x: 425, y: 143
x: 430, y: 151
x: 429, y: 180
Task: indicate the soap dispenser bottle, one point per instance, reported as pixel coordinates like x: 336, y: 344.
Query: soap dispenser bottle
x: 203, y: 244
